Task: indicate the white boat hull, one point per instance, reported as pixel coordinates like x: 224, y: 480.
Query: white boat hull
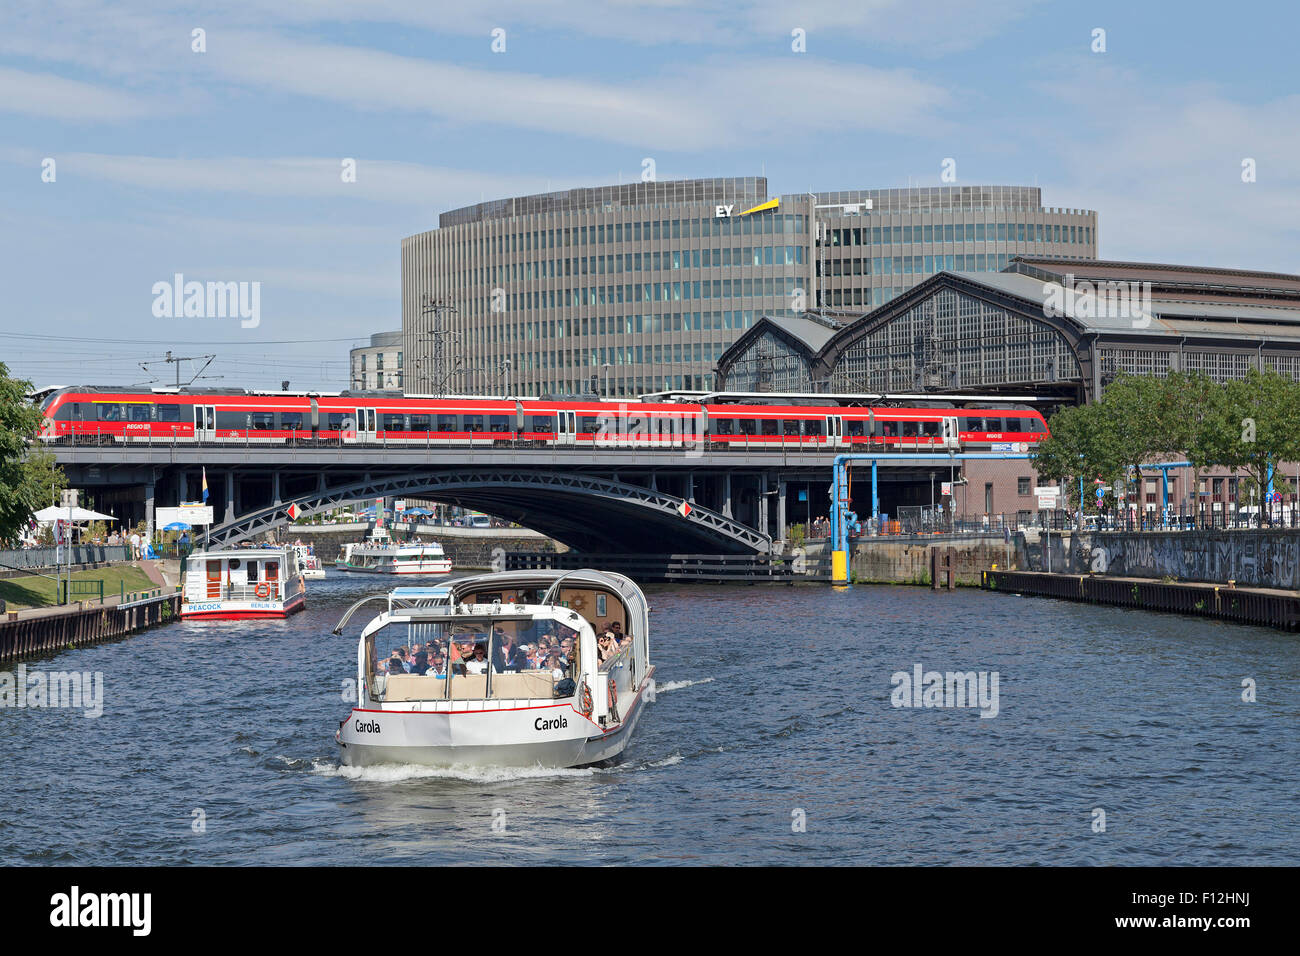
x: 542, y: 735
x: 406, y: 567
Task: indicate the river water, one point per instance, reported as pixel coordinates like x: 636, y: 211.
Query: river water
x: 773, y: 739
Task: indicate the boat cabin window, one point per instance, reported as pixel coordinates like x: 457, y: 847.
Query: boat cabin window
x: 488, y: 658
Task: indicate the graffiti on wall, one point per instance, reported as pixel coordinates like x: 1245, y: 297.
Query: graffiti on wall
x: 1269, y: 559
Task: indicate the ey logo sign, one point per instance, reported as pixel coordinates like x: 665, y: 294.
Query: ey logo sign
x: 724, y: 212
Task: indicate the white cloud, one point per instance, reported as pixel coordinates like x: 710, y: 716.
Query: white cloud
x: 56, y: 97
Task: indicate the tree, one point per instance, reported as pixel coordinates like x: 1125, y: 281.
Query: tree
x: 1265, y: 408
x: 28, y: 476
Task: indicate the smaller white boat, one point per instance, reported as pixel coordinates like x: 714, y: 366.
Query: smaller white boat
x: 242, y: 583
x: 311, y: 567
x: 380, y: 555
x: 512, y: 669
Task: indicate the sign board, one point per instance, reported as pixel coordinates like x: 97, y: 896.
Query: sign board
x: 1119, y: 489
x: 68, y: 498
x: 1042, y: 490
x: 1006, y: 446
x: 399, y: 504
x: 188, y: 514
x: 945, y: 489
x: 1047, y: 502
x: 1101, y: 493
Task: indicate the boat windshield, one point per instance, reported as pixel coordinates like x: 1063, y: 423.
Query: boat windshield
x: 492, y: 648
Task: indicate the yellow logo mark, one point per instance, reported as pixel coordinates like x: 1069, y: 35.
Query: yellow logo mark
x: 770, y: 204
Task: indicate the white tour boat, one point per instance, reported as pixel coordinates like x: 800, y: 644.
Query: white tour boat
x: 242, y: 582
x: 380, y: 555
x: 311, y: 567
x: 496, y: 694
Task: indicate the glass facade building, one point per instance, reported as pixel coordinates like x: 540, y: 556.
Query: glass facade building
x: 624, y: 290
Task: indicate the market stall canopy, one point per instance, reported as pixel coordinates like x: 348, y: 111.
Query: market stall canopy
x: 78, y: 514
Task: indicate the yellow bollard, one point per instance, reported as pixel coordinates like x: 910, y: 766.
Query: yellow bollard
x: 839, y: 567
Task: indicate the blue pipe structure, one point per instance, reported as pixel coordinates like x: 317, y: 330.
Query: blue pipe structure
x: 842, y: 519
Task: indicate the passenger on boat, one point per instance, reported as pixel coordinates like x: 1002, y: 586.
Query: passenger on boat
x: 558, y: 669
x: 478, y: 663
x: 437, y: 663
x: 395, y: 666
x: 421, y: 665
x: 507, y: 655
x: 605, y: 647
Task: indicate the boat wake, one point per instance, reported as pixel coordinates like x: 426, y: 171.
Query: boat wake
x: 679, y: 684
x: 399, y: 773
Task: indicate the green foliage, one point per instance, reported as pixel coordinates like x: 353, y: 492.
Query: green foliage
x: 1247, y: 425
x: 28, y: 476
x: 797, y: 534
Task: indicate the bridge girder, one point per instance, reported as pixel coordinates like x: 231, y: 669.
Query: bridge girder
x: 586, y: 512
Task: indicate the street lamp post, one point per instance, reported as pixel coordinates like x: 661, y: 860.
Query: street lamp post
x: 606, y: 395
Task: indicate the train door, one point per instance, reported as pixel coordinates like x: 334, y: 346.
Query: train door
x: 205, y: 423
x: 834, y: 431
x: 365, y: 425
x: 950, y: 439
x: 566, y: 427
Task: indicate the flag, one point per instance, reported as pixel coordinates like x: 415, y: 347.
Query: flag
x: 205, y: 485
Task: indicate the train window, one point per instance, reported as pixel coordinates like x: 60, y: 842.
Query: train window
x: 140, y: 413
x: 108, y: 413
x: 263, y: 421
x: 589, y: 423
x: 448, y: 423
x: 393, y: 423
x: 334, y: 421
x: 542, y: 423
x: 910, y: 429
x: 929, y: 428
x: 1015, y: 425
x: 790, y: 426
x: 473, y: 423
x: 168, y: 413
x: 855, y: 428
x: 291, y: 420
x: 887, y: 429
x: 814, y: 426
x: 724, y: 426
x: 421, y: 423
x: 747, y: 426
x: 498, y: 423
x: 974, y: 424
x: 993, y: 424
x: 769, y: 426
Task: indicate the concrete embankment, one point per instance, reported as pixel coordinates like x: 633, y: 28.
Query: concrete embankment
x: 467, y: 547
x: 1270, y: 607
x: 890, y: 560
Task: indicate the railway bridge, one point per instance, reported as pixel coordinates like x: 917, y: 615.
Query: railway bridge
x: 645, y: 500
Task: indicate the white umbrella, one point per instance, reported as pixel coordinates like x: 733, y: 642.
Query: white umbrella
x: 78, y: 514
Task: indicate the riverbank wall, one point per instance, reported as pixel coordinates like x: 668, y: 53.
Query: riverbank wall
x: 43, y: 631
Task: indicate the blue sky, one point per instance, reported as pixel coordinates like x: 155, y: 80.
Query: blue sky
x: 225, y: 165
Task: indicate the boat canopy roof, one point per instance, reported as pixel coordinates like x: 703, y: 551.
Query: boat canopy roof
x: 243, y: 553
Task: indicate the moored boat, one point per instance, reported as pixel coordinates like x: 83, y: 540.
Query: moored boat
x: 511, y: 669
x: 308, y: 562
x: 242, y: 583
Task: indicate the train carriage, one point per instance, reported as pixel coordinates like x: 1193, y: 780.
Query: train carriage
x: 169, y: 416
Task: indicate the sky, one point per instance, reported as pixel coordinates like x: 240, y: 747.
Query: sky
x: 133, y: 148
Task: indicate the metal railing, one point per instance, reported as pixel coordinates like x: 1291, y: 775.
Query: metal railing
x: 242, y: 592
x: 52, y: 557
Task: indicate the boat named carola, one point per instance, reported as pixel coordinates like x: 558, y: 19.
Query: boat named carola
x: 515, y: 669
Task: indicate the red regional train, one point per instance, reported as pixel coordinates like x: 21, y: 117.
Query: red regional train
x: 109, y: 415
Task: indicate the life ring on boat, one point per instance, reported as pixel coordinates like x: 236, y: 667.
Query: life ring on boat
x: 586, y: 701
x: 263, y: 590
x: 613, y: 694
x: 577, y: 603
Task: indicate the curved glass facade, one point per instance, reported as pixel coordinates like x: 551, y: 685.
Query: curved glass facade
x: 624, y: 290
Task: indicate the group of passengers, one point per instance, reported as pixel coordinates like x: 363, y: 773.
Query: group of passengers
x: 554, y: 647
